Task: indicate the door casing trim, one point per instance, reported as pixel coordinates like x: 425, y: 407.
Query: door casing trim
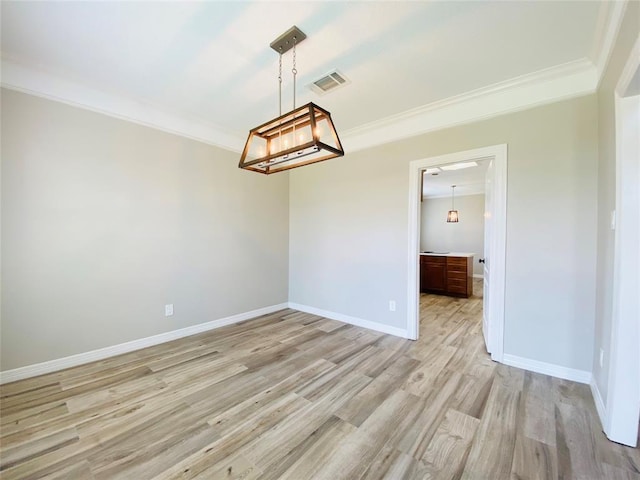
x: 499, y: 154
x: 621, y: 412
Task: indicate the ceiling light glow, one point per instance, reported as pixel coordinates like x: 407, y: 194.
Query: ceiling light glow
x: 459, y: 166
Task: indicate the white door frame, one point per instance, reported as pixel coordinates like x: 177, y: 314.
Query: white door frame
x: 498, y: 249
x: 623, y: 389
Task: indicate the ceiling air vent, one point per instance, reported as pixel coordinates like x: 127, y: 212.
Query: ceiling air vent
x: 329, y: 82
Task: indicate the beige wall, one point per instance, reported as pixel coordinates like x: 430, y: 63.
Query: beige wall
x: 627, y: 36
x: 349, y: 227
x: 104, y: 222
x: 467, y: 235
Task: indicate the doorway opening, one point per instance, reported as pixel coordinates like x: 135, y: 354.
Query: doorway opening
x: 494, y: 254
x: 451, y: 271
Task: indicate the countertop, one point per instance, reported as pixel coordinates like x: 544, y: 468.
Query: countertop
x: 449, y: 254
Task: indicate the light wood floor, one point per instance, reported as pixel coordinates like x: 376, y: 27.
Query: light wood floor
x: 295, y: 396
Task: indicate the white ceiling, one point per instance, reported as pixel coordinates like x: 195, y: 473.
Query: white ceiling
x: 210, y: 62
x: 468, y: 181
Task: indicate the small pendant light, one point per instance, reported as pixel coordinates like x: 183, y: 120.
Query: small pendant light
x: 452, y: 216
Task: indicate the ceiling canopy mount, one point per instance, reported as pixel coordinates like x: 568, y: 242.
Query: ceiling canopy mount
x: 285, y: 42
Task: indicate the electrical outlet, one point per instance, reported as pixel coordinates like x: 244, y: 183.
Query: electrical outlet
x: 168, y: 310
x: 601, y: 358
x: 392, y: 305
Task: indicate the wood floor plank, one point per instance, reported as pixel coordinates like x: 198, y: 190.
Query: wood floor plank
x: 509, y: 378
x: 134, y: 390
x: 312, y: 454
x: 611, y: 472
x: 493, y: 456
x: 357, y: 451
x: 580, y: 440
x: 79, y: 471
x: 533, y: 460
x: 416, y: 440
x: 234, y: 467
x: 214, y: 453
x: 421, y: 381
x: 392, y: 464
x: 473, y: 393
x: 100, y: 433
x: 253, y: 405
x: 381, y: 360
x: 29, y: 396
x: 20, y: 453
x: 317, y: 388
x: 396, y: 344
x: 229, y: 390
x: 267, y: 450
x: 562, y: 449
x: 538, y: 413
x: 29, y: 417
x: 327, y: 325
x: 149, y: 459
x: 448, y: 450
x: 358, y: 409
x: 125, y: 454
x: 12, y: 407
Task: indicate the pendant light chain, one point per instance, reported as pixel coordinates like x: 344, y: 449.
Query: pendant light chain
x: 294, y: 71
x: 452, y: 190
x: 280, y: 82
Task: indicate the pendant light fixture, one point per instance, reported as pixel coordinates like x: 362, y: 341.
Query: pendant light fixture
x: 300, y: 137
x: 452, y: 216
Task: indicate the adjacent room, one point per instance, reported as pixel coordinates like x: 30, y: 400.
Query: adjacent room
x: 452, y: 225
x: 319, y: 240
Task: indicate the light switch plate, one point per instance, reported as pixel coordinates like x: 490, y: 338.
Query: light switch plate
x: 613, y: 219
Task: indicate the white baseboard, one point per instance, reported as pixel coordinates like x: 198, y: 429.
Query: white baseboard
x: 478, y: 275
x: 566, y: 373
x: 597, y: 399
x: 102, y: 353
x: 358, y: 322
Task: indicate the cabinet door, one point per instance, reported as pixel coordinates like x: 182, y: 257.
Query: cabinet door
x: 457, y: 282
x: 457, y: 273
x: 434, y: 275
x: 423, y: 276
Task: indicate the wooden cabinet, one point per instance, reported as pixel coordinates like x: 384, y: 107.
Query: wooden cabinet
x: 433, y: 274
x: 446, y: 275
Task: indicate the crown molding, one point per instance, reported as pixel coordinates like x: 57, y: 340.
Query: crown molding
x: 21, y: 78
x: 550, y: 85
x: 608, y: 25
x: 629, y: 71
